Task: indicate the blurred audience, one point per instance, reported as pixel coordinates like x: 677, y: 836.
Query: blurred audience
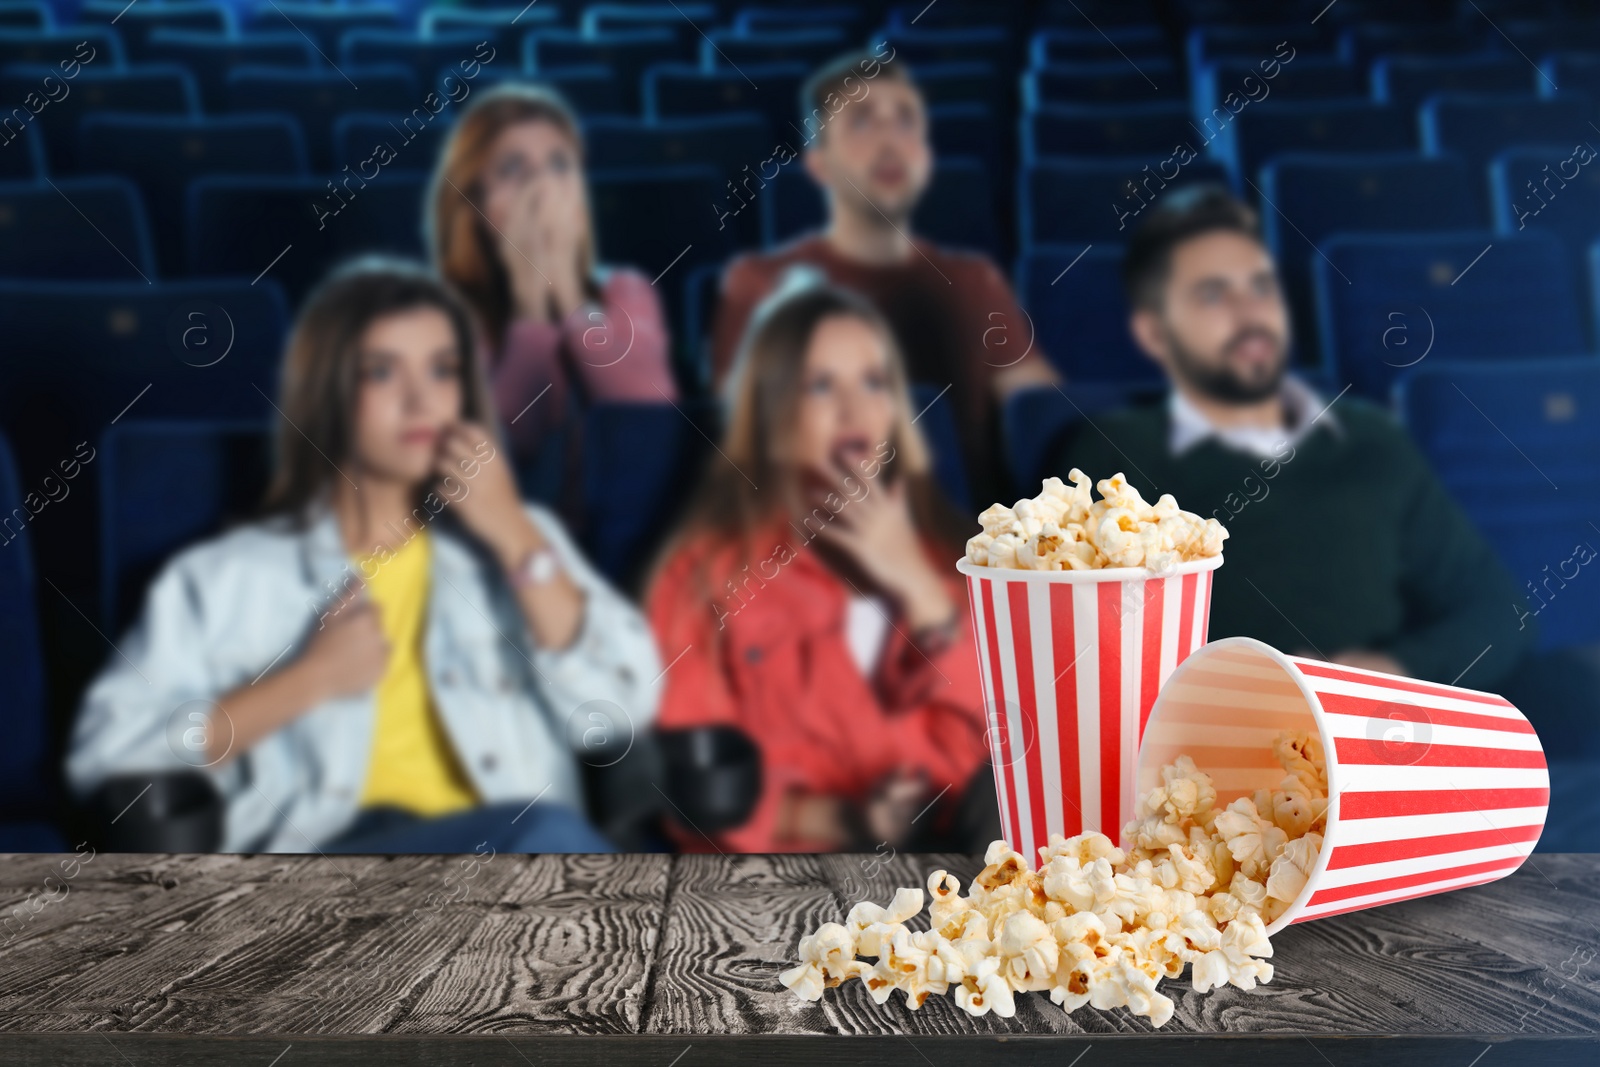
x: 387, y: 659
x: 510, y: 228
x: 810, y: 602
x: 1343, y: 543
x: 953, y: 313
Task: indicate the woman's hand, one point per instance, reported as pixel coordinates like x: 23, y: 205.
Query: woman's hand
x: 814, y: 818
x: 539, y: 248
x: 349, y: 654
x: 877, y: 531
x: 894, y: 806
x: 491, y: 509
x: 486, y: 499
x: 345, y: 657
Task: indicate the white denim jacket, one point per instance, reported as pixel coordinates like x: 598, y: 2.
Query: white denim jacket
x: 225, y: 612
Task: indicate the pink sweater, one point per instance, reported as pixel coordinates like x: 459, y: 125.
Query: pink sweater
x: 615, y: 350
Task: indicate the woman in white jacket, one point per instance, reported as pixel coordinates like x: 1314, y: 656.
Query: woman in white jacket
x: 401, y: 655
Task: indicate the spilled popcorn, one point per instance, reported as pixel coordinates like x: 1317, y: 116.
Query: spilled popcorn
x: 1063, y: 529
x: 1097, y: 924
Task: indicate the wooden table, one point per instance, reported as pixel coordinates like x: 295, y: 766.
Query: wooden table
x: 282, y: 960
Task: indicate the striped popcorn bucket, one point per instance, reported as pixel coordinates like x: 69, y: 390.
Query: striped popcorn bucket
x: 1430, y: 787
x: 1071, y: 662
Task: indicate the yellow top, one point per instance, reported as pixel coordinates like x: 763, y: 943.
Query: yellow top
x: 413, y: 765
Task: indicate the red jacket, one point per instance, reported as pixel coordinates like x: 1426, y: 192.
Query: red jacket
x: 771, y: 658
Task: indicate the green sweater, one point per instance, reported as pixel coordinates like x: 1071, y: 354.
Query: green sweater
x: 1348, y: 541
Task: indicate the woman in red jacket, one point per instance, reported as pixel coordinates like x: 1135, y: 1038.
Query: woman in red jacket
x: 811, y: 598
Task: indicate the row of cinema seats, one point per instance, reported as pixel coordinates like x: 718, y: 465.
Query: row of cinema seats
x: 1452, y: 163
x: 1351, y: 233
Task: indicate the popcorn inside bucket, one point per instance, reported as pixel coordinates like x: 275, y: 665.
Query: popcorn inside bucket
x: 1433, y: 787
x: 1067, y: 529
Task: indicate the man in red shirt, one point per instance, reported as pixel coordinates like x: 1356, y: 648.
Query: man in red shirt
x: 953, y: 313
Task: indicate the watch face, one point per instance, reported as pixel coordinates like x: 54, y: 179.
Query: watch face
x: 541, y: 566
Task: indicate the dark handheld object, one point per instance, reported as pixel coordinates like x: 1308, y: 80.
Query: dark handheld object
x: 713, y: 775
x: 170, y: 811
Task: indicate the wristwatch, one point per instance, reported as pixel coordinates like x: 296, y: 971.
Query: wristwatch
x: 538, y: 568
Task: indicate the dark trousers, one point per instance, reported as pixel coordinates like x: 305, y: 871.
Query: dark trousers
x: 515, y: 826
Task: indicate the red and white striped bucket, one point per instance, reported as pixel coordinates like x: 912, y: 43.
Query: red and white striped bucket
x: 1431, y: 787
x: 1071, y: 662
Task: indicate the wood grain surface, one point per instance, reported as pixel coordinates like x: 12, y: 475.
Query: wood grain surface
x: 136, y: 959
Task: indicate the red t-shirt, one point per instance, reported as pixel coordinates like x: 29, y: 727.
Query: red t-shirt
x: 953, y: 313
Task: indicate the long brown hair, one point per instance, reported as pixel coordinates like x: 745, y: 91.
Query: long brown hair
x: 321, y: 373
x: 762, y: 400
x: 463, y: 248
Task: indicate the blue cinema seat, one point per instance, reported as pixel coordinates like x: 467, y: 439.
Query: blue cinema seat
x: 1514, y: 442
x: 1473, y: 295
x: 77, y: 229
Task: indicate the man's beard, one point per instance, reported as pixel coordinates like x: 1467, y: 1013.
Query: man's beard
x: 1222, y: 382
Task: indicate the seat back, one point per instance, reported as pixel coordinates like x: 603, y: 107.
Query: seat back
x: 1547, y: 414
x: 1361, y: 44
x: 23, y: 771
x: 660, y: 220
x: 1385, y: 301
x: 1376, y: 193
x: 237, y: 225
x: 25, y: 15
x: 921, y: 47
x: 503, y: 27
x: 154, y: 89
x: 1409, y: 80
x: 728, y: 142
x: 936, y: 419
x: 161, y: 154
x: 1478, y: 127
x: 1080, y: 316
x: 1033, y: 423
x: 427, y: 58
x: 21, y: 153
x: 82, y: 229
x: 322, y: 24
x: 629, y: 53
x: 640, y: 464
x: 811, y: 47
x: 1065, y: 201
x: 136, y: 22
x: 1101, y: 84
x: 1079, y: 45
x: 84, y: 356
x: 1122, y: 130
x: 165, y: 484
x: 603, y: 18
x: 683, y: 90
x: 1549, y: 189
x: 1254, y: 44
x: 315, y: 98
x: 82, y: 46
x: 1320, y: 126
x: 209, y: 57
x: 1224, y: 83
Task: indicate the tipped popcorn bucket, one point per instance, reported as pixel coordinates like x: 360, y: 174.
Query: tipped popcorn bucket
x: 1430, y: 787
x: 1071, y: 663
